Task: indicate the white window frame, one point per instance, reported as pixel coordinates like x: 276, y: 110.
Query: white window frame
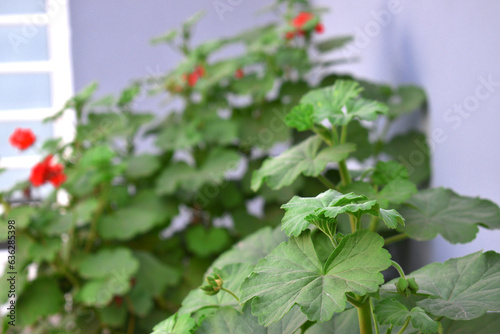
x: 59, y: 68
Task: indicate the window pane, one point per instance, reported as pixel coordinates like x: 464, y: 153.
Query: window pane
x: 42, y: 131
x: 22, y: 6
x: 19, y: 44
x: 25, y: 91
x: 12, y: 176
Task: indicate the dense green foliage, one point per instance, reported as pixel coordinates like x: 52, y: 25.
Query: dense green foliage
x: 323, y: 273
x: 127, y: 239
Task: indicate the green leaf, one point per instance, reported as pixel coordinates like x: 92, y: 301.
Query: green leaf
x: 227, y: 320
x: 128, y: 95
x: 359, y: 135
x: 108, y: 262
x: 252, y: 248
x: 412, y: 151
x: 339, y: 103
x: 99, y: 156
x: 341, y: 323
x: 112, y: 315
x: 486, y: 324
x: 185, y: 177
x: 205, y: 242
x: 333, y: 43
x: 360, y: 109
x: 391, y: 218
x: 191, y: 21
x: 84, y: 210
x: 441, y: 211
x: 392, y: 312
x: 263, y: 127
x: 219, y: 131
x: 232, y: 275
x: 301, y: 117
x: 291, y: 57
x: 292, y: 274
x: 301, y: 159
x: 461, y: 288
x: 330, y: 100
x: 45, y: 251
x: 58, y: 225
x: 168, y: 37
x: 144, y: 212
x: 100, y: 292
x: 109, y: 271
x: 141, y: 300
x: 22, y: 215
x: 179, y: 136
x: 141, y: 166
x: 42, y: 297
x: 176, y: 324
x: 396, y: 192
x: 406, y: 99
x: 331, y: 203
x: 387, y: 171
x: 173, y: 177
x: 153, y: 275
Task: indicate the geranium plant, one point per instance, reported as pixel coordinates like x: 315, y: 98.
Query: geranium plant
x: 106, y: 245
x: 323, y: 272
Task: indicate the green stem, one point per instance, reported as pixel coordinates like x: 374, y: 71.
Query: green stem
x: 357, y: 224
x: 231, y: 293
x: 131, y: 324
x: 352, y: 221
x: 345, y: 177
x: 395, y: 238
x: 343, y: 134
x: 407, y: 322
x: 327, y: 183
x: 365, y: 318
x: 373, y: 223
x: 399, y: 269
x: 356, y: 303
x: 373, y: 317
x: 93, y: 225
x: 334, y: 243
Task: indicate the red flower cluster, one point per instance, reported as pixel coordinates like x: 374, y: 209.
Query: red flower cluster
x: 298, y: 23
x: 22, y: 138
x: 193, y: 77
x: 239, y: 74
x: 46, y: 171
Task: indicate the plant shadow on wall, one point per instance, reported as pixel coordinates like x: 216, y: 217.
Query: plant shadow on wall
x: 107, y: 259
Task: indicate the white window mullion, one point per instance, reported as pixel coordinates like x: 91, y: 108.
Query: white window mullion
x: 39, y: 19
x: 60, y: 54
x: 25, y: 114
x: 26, y: 161
x: 27, y: 67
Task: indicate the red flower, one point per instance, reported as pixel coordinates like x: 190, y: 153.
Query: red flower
x: 239, y: 74
x: 320, y: 28
x: 299, y: 22
x: 22, y: 138
x: 290, y: 34
x: 193, y: 77
x: 45, y: 171
x: 200, y: 70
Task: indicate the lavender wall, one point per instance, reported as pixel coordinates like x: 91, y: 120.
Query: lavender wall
x: 451, y: 48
